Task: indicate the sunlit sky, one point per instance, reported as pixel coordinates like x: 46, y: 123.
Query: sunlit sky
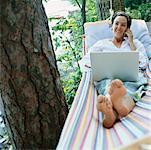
x: 56, y: 8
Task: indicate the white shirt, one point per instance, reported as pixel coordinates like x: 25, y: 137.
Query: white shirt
x: 107, y: 45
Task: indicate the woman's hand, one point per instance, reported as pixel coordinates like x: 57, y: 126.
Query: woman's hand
x: 129, y: 35
x: 130, y: 39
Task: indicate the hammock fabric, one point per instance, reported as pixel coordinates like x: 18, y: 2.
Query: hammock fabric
x: 83, y: 128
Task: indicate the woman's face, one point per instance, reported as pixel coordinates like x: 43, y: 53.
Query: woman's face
x: 119, y: 27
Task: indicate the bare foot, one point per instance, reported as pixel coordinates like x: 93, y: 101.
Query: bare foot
x: 117, y: 89
x: 121, y: 103
x: 105, y: 106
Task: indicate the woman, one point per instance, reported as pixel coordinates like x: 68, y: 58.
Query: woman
x: 116, y: 98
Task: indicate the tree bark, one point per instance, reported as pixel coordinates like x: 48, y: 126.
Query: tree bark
x: 118, y: 5
x: 32, y: 95
x: 104, y: 6
x: 83, y: 14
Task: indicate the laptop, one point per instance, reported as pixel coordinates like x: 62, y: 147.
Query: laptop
x: 115, y: 65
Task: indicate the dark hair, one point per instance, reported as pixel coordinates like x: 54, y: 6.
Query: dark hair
x: 116, y: 14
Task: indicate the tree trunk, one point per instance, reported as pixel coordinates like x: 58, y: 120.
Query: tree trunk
x: 31, y: 92
x: 118, y: 5
x: 83, y: 14
x: 104, y: 6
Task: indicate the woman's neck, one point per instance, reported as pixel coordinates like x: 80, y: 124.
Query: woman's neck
x: 117, y: 42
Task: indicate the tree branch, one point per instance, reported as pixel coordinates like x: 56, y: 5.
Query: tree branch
x: 78, y: 4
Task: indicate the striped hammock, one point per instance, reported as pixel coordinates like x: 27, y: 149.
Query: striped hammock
x: 83, y: 128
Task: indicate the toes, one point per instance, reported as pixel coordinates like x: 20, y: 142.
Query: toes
x: 100, y: 102
x: 108, y: 104
x: 110, y: 90
x: 103, y: 103
x: 100, y: 99
x: 116, y: 83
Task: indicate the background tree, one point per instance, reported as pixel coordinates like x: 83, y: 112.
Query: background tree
x: 82, y: 5
x: 104, y: 7
x: 30, y: 86
x: 134, y: 4
x: 118, y: 5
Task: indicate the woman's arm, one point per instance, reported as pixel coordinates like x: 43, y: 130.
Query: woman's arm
x: 136, y: 45
x: 142, y: 54
x: 130, y: 39
x: 85, y: 63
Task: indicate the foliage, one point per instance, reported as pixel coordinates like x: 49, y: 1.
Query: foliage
x: 135, y: 14
x: 91, y: 11
x: 91, y: 15
x: 142, y: 12
x: 67, y: 38
x: 145, y: 10
x: 133, y: 4
x: 5, y: 142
